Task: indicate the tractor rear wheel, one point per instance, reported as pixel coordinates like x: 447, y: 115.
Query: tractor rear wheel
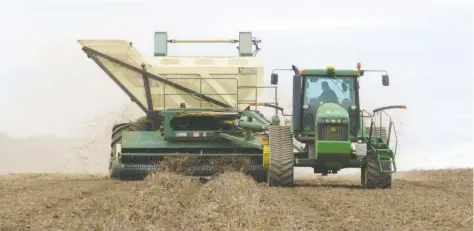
x: 372, y: 177
x: 117, y: 130
x: 281, y: 169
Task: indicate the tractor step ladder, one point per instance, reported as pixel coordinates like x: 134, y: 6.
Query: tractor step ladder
x: 383, y: 158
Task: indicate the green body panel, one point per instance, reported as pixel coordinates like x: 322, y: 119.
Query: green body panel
x: 142, y: 139
x: 324, y: 72
x: 178, y: 124
x: 331, y: 111
x: 153, y: 140
x: 333, y: 147
x: 244, y: 141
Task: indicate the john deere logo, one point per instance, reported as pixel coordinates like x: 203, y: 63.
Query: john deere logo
x: 332, y: 129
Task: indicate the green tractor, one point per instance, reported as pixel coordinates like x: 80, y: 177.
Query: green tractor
x: 327, y: 118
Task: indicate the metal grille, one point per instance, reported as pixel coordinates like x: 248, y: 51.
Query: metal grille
x: 333, y: 132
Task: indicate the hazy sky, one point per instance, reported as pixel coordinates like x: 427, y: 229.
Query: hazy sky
x: 49, y: 86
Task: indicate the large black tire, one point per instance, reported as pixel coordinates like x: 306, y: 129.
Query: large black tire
x: 117, y: 130
x: 372, y: 177
x: 281, y: 169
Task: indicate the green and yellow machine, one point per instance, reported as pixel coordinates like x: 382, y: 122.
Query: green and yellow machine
x: 327, y: 118
x: 207, y: 108
x: 202, y: 107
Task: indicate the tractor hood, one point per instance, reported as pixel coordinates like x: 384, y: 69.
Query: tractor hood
x: 331, y: 111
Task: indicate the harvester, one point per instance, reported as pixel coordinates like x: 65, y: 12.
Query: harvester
x: 207, y: 108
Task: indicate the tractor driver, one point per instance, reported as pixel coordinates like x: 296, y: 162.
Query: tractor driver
x: 327, y: 96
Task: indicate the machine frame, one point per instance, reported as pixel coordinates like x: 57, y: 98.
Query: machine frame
x: 271, y: 150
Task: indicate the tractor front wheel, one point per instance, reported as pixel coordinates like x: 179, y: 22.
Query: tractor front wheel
x: 281, y: 167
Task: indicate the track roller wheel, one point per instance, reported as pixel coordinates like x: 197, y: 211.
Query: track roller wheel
x: 281, y: 169
x: 372, y: 177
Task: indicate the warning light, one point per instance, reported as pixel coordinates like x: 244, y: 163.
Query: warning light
x: 330, y: 68
x: 403, y: 107
x: 358, y: 66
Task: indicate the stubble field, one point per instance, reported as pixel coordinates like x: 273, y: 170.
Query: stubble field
x: 419, y: 200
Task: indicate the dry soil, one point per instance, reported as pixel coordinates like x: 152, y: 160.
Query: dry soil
x: 421, y: 200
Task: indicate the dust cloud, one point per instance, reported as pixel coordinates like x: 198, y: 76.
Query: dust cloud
x: 85, y: 153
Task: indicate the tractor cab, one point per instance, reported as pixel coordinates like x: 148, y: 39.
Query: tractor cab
x: 326, y: 103
x: 329, y: 97
x: 328, y: 110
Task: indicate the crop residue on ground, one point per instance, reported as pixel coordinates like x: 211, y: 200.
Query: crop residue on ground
x: 424, y: 200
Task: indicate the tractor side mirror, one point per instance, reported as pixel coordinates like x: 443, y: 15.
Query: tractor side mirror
x: 274, y: 79
x: 385, y: 80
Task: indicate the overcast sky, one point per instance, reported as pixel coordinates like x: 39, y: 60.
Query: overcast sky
x: 426, y: 45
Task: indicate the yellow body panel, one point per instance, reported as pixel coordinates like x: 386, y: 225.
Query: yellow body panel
x: 266, y: 153
x: 216, y: 77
